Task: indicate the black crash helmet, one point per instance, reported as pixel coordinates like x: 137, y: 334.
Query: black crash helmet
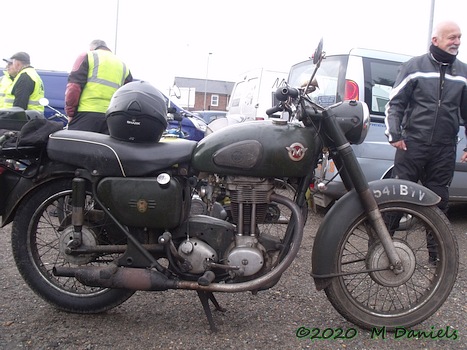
x: 137, y: 113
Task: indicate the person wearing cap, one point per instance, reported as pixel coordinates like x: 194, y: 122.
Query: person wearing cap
x: 25, y: 87
x: 94, y: 78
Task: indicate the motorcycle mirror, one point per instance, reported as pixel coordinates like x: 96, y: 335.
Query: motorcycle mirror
x: 178, y: 117
x: 318, y: 52
x: 44, y: 101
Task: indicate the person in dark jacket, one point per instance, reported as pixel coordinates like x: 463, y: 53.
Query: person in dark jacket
x: 95, y: 76
x: 425, y: 108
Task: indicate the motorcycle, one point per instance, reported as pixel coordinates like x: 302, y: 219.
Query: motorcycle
x: 184, y: 124
x: 126, y: 222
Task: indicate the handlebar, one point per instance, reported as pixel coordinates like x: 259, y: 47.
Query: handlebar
x: 283, y: 93
x: 275, y: 109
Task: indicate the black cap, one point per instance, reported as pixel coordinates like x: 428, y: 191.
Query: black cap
x: 20, y: 56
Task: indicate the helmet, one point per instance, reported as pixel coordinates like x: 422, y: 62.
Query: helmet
x: 137, y: 113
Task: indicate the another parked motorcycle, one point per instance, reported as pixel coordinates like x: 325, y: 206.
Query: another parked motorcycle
x: 126, y: 223
x: 58, y: 116
x: 186, y: 125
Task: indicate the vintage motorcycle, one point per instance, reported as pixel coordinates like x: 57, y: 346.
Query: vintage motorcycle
x: 384, y: 253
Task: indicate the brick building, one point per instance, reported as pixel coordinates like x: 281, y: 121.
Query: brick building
x: 202, y: 94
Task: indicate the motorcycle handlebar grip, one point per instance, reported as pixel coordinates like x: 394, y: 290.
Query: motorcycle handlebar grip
x: 283, y: 93
x: 274, y: 109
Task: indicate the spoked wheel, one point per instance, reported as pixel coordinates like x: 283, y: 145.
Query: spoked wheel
x: 40, y: 234
x: 429, y: 254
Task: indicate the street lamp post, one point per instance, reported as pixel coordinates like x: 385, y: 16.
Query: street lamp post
x: 430, y: 22
x: 116, y: 26
x: 206, y: 82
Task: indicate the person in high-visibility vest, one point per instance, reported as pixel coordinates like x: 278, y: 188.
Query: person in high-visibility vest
x: 26, y: 88
x: 5, y: 82
x: 94, y: 78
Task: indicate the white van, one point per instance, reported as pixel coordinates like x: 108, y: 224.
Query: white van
x: 253, y: 94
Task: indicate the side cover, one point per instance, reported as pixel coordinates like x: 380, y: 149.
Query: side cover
x: 143, y: 202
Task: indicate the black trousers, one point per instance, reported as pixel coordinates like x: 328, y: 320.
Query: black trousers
x: 89, y: 121
x: 432, y: 165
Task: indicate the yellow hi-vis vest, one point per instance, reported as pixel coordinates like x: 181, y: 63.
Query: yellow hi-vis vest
x: 36, y: 95
x: 106, y: 74
x: 5, y: 82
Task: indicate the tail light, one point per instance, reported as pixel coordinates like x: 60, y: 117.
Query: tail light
x: 351, y: 90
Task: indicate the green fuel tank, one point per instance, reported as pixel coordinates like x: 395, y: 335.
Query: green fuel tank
x: 270, y: 148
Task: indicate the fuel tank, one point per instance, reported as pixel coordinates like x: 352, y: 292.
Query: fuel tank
x: 270, y: 148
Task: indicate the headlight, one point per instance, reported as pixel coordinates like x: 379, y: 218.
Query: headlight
x: 354, y: 119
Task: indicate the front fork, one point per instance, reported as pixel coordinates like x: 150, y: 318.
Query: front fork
x: 352, y: 172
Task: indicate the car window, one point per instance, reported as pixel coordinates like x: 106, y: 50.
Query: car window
x: 380, y: 76
x: 330, y: 79
x: 209, y: 116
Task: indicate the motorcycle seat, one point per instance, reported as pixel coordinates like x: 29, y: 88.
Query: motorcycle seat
x: 103, y: 155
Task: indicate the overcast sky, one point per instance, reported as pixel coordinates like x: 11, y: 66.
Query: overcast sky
x: 163, y: 39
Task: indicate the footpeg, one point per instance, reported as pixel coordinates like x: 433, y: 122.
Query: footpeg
x: 207, y: 278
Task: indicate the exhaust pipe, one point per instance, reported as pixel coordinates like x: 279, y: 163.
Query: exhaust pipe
x: 118, y: 277
x: 132, y: 278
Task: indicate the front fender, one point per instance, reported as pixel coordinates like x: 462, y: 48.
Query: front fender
x: 348, y: 208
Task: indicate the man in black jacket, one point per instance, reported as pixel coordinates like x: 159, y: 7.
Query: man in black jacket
x: 426, y: 105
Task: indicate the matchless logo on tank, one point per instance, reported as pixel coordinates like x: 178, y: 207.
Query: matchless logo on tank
x: 296, y: 151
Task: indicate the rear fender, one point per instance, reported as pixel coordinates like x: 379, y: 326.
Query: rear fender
x: 25, y: 185
x: 348, y: 208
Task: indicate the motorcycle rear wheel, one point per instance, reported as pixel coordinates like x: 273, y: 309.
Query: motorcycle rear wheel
x: 382, y: 298
x: 38, y: 243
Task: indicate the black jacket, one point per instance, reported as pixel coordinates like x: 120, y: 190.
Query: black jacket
x: 22, y: 90
x: 428, y: 101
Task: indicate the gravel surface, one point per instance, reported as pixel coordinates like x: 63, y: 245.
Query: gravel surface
x: 175, y: 319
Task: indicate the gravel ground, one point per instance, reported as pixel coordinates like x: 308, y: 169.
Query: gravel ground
x: 175, y: 319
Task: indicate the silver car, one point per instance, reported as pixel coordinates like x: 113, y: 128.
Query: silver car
x: 365, y: 75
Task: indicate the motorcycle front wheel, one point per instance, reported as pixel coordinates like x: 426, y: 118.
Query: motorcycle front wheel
x: 40, y: 233
x: 370, y: 295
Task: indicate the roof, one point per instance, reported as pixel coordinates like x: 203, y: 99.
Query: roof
x: 212, y: 86
x: 368, y: 53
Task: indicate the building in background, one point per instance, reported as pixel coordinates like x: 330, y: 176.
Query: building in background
x: 201, y: 94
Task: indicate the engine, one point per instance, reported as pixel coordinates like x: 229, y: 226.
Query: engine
x: 236, y: 247
x: 249, y: 198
